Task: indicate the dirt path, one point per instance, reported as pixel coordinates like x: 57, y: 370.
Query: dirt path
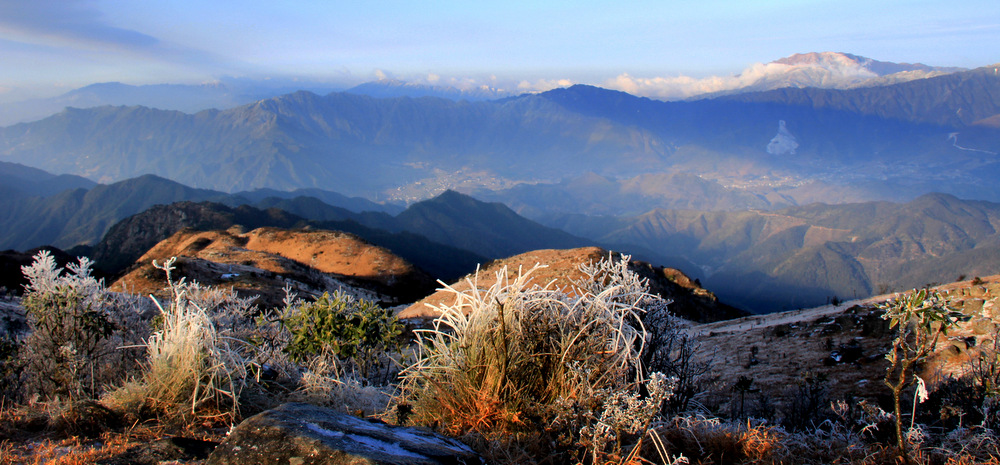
x: 808, y: 314
x: 781, y: 318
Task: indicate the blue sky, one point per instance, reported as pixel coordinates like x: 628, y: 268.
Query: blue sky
x: 51, y: 46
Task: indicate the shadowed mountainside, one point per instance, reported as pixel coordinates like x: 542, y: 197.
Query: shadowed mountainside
x: 804, y: 256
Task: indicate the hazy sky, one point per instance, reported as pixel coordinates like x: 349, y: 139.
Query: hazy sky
x: 50, y: 46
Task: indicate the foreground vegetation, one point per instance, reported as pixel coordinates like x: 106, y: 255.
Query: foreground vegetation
x: 599, y: 372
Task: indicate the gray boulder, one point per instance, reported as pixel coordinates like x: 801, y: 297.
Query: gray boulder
x: 303, y: 434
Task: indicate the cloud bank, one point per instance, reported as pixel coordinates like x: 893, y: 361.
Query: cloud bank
x: 759, y: 76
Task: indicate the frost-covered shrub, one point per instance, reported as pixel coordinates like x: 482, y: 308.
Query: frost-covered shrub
x: 77, y: 331
x: 322, y: 384
x: 510, y: 357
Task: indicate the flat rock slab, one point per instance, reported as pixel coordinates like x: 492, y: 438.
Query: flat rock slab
x: 303, y: 434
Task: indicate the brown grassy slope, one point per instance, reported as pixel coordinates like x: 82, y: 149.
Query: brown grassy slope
x: 315, y: 260
x: 562, y: 268
x: 791, y: 344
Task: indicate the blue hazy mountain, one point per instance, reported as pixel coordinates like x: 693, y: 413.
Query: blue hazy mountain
x: 894, y: 142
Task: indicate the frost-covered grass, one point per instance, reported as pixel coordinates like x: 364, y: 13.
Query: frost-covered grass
x: 191, y: 368
x: 508, y: 356
x: 525, y: 373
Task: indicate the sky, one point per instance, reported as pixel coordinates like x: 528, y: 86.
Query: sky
x: 48, y: 47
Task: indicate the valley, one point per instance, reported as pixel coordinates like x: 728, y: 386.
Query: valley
x: 761, y: 260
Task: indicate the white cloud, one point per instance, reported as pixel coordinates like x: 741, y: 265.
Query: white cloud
x: 542, y: 85
x: 759, y: 76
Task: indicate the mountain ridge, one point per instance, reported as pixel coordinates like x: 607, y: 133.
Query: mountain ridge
x: 305, y: 140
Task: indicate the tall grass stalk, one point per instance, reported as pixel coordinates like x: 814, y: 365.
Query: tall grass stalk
x: 192, y: 369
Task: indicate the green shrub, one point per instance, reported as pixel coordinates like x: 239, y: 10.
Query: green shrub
x: 919, y: 318
x: 357, y: 332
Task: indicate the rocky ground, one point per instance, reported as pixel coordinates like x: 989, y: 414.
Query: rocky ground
x: 845, y: 344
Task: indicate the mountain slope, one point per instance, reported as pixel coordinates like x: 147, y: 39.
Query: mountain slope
x: 127, y: 240
x: 226, y: 93
x: 489, y: 229
x: 955, y: 100
x: 81, y: 216
x: 803, y: 256
x: 17, y: 180
x: 264, y: 260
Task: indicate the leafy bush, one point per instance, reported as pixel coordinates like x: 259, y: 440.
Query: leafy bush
x: 920, y: 318
x: 357, y: 332
x: 516, y: 358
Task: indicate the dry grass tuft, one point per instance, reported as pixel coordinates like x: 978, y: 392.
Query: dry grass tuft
x: 513, y: 361
x: 193, y: 372
x: 500, y: 356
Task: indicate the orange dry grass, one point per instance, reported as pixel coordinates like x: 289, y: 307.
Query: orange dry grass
x: 471, y: 409
x: 71, y: 451
x: 753, y: 445
x: 710, y: 442
x: 968, y: 460
x: 759, y: 443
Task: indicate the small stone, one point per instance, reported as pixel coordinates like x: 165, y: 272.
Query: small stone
x: 955, y: 347
x: 991, y: 309
x: 973, y: 307
x: 982, y: 326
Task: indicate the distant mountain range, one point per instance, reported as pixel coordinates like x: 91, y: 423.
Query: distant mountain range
x: 190, y: 98
x: 823, y: 70
x: 890, y: 142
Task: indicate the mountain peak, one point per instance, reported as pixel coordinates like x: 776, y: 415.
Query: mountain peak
x: 844, y: 62
x: 824, y: 58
